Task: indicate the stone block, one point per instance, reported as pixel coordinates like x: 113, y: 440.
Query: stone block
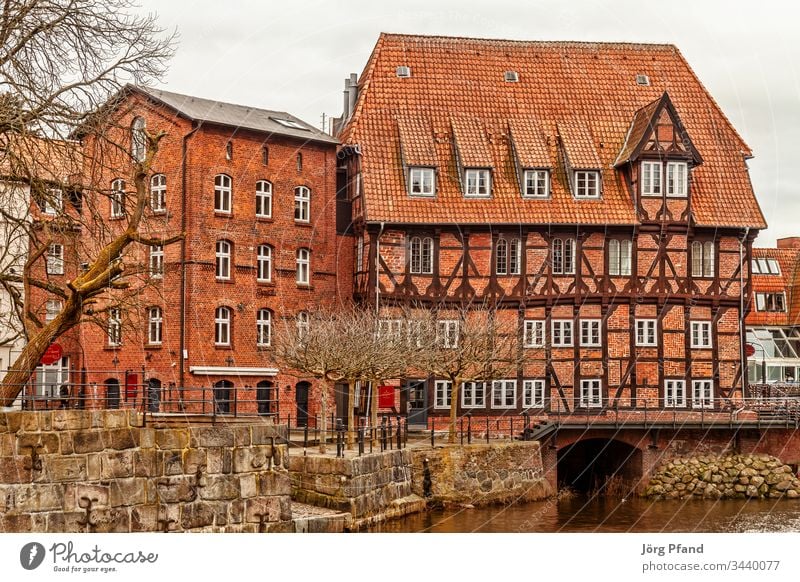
x: 88, y: 441
x: 75, y: 492
x: 132, y: 491
x: 175, y: 489
x: 34, y: 498
x: 194, y: 458
x: 146, y: 463
x: 135, y: 419
x: 67, y: 468
x: 145, y: 518
x: 212, y: 436
x: 11, y: 422
x: 71, y: 522
x: 66, y: 445
x: 20, y: 523
x: 195, y: 515
x: 266, y: 434
x: 72, y: 419
x: 122, y: 438
x: 274, y: 483
x: 30, y: 421
x: 241, y: 436
x: 7, y: 443
x: 93, y: 467
x: 219, y: 487
x: 248, y: 485
x: 171, y: 438
x: 171, y: 462
x: 236, y: 511
x: 111, y: 520
x: 247, y: 459
x: 47, y: 442
x: 147, y: 438
x: 117, y: 465
x: 214, y: 460
x: 115, y: 419
x: 262, y: 506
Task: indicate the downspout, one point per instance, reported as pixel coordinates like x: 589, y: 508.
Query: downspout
x: 182, y: 348
x: 377, y: 269
x: 742, y: 330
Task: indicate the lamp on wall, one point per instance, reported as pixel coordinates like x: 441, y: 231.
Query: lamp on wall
x: 288, y: 387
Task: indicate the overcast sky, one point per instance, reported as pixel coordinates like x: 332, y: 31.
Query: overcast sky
x: 293, y: 55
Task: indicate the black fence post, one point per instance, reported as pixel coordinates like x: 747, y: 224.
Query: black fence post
x: 399, y: 434
x: 339, y: 438
x: 487, y: 430
x: 305, y: 436
x: 360, y: 440
x: 433, y: 439
x: 526, y: 424
x: 469, y: 428
x: 383, y: 433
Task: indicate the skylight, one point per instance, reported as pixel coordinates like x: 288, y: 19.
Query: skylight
x: 290, y: 123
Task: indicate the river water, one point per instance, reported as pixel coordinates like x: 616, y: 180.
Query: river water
x: 584, y: 514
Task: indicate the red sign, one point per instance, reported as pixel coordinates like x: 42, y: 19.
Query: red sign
x: 749, y: 350
x: 52, y: 354
x: 385, y: 396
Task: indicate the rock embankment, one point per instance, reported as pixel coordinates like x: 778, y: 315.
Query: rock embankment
x: 724, y: 477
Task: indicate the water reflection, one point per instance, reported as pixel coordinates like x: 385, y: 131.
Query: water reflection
x: 581, y: 514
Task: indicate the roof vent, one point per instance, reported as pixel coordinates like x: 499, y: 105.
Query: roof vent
x: 642, y: 79
x: 403, y: 71
x: 511, y: 77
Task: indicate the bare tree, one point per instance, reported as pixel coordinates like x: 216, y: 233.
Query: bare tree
x: 62, y: 63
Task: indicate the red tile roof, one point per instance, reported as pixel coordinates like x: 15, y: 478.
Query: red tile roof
x: 787, y: 282
x: 583, y: 93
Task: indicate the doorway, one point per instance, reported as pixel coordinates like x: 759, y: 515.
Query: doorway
x: 264, y: 397
x: 222, y: 396
x: 301, y: 398
x: 153, y: 395
x: 112, y: 393
x: 417, y: 399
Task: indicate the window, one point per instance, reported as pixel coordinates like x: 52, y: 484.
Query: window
x: 587, y: 184
x: 702, y: 259
x: 265, y: 155
x: 55, y: 260
x: 651, y: 179
x: 390, y: 328
x: 442, y: 394
x: 590, y: 332
x: 289, y: 123
x: 537, y: 184
x: 222, y: 326
x: 774, y: 268
x: 263, y: 199
x: 563, y: 256
x: 52, y: 309
x: 766, y: 267
x: 264, y: 263
x: 114, y: 327
x: 156, y: 261
x: 674, y: 393
x: 562, y: 333
x: 360, y: 254
x: 702, y: 394
x: 229, y: 151
x: 770, y: 302
x: 421, y: 255
x: 158, y: 193
x: 646, y: 332
x: 477, y: 183
x: 138, y: 140
x: 118, y: 198
x: 677, y: 179
x: 507, y: 256
x: 533, y: 393
x: 473, y: 395
x: 421, y: 182
x: 619, y: 257
x: 155, y: 324
x: 534, y: 333
x: 222, y: 193
x: 223, y: 260
x: 303, y: 325
x: 504, y: 394
x: 263, y: 327
x: 299, y: 161
x: 701, y: 334
x: 303, y: 267
x: 54, y: 201
x: 447, y: 333
x: 302, y: 204
x: 591, y: 395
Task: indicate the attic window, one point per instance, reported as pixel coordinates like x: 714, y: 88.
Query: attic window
x: 642, y: 79
x: 290, y: 123
x: 511, y: 77
x: 403, y: 71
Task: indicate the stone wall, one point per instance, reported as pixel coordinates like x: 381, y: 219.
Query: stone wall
x: 206, y: 478
x: 482, y: 474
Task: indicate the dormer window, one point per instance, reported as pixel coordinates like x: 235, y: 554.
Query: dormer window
x: 477, y: 183
x: 677, y: 179
x: 536, y: 183
x: 651, y: 179
x: 421, y: 181
x: 587, y: 184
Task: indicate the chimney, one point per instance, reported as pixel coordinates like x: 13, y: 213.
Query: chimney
x: 353, y: 93
x: 791, y: 242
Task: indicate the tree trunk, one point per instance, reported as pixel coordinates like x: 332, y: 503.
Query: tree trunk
x: 351, y: 417
x: 323, y: 424
x: 451, y: 429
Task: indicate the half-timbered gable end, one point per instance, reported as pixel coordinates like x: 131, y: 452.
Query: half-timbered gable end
x: 596, y: 190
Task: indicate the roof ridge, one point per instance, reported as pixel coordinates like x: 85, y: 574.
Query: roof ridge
x: 153, y: 92
x: 397, y: 35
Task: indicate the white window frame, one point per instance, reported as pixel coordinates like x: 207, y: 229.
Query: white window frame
x: 563, y: 252
x: 534, y: 333
x: 54, y: 201
x: 473, y: 394
x: 114, y: 329
x: 390, y: 328
x: 52, y: 308
x: 303, y: 264
x: 421, y: 255
x: 677, y: 186
x: 156, y: 262
x: 447, y: 333
x: 264, y: 263
x: 263, y: 199
x: 302, y: 204
x: 763, y: 302
x: 590, y: 333
x: 360, y: 254
x: 559, y: 329
x: 117, y: 198
x: 583, y: 189
x: 303, y: 324
x: 703, y: 393
x: 223, y: 194
x: 507, y: 256
x: 421, y: 182
x: 674, y: 393
x: 536, y: 183
x: 224, y: 258
x: 591, y: 394
x: 223, y: 316
x: 155, y: 325
x: 646, y: 332
x: 441, y: 394
x: 55, y: 259
x: 158, y: 194
x: 652, y: 179
x: 263, y: 328
x: 477, y: 183
x: 701, y: 334
x: 138, y: 139
x: 703, y: 259
x: 773, y: 267
x: 533, y: 393
x: 620, y: 257
x: 501, y: 391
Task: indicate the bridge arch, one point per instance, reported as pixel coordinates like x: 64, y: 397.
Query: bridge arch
x: 599, y: 465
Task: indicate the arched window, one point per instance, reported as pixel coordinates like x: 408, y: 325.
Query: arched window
x: 558, y: 256
x: 138, y: 139
x: 264, y: 396
x: 222, y: 396
x: 708, y: 259
x: 302, y: 204
x: 563, y: 256
x: 118, y: 198
x: 223, y: 259
x: 265, y: 155
x: 303, y: 325
x: 299, y: 162
x: 157, y: 262
x: 158, y: 193
x: 303, y: 266
x: 155, y: 325
x: 625, y: 257
x: 421, y: 250
x: 222, y: 326
x: 264, y: 263
x: 263, y: 199
x: 263, y: 327
x: 508, y: 256
x: 222, y: 193
x: 501, y: 257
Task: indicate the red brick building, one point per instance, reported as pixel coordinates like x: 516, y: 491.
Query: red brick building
x: 596, y: 193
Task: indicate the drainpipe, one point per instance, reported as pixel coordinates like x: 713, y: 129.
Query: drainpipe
x: 742, y: 330
x: 377, y: 270
x: 182, y: 348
